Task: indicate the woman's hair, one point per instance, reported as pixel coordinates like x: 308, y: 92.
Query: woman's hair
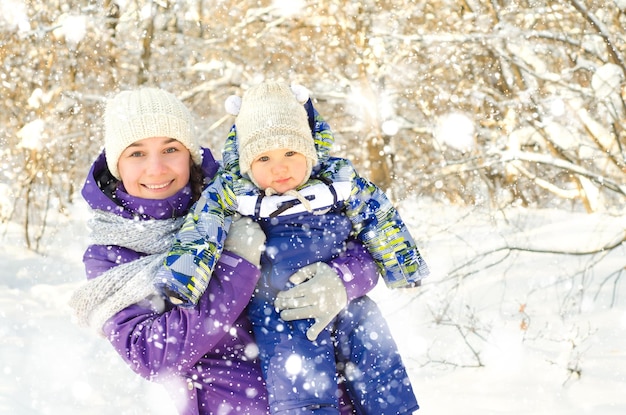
x: 196, y: 181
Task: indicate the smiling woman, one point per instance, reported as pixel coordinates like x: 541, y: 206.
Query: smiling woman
x: 155, y: 168
x: 151, y: 149
x: 139, y: 190
x: 133, y: 116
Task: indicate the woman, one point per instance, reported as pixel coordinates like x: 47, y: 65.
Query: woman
x: 140, y: 188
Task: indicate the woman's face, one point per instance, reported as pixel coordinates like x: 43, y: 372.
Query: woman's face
x: 155, y: 168
x: 281, y: 169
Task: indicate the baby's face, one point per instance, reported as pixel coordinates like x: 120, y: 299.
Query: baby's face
x: 155, y: 168
x: 280, y: 169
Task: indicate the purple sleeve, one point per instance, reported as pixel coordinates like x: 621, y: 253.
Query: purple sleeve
x: 173, y: 341
x: 100, y: 258
x: 357, y: 270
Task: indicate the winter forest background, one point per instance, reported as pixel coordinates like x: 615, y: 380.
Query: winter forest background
x: 498, y: 127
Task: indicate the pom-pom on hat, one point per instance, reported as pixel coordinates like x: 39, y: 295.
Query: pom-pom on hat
x: 271, y: 116
x: 144, y: 113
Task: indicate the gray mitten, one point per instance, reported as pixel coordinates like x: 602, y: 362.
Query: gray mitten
x: 246, y: 239
x: 319, y: 294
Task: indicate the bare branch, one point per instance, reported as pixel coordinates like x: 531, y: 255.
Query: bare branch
x: 507, y: 156
x: 602, y: 30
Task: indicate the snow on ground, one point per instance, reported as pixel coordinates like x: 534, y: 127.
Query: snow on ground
x: 492, y: 331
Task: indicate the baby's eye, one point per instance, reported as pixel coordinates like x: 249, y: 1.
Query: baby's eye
x: 290, y: 153
x: 263, y: 158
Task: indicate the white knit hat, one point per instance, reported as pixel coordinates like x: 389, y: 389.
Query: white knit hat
x: 272, y: 116
x: 144, y: 113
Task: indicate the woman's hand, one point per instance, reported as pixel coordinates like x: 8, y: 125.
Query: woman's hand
x: 318, y: 294
x: 246, y: 239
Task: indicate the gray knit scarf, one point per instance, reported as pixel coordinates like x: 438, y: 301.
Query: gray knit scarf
x: 98, y: 299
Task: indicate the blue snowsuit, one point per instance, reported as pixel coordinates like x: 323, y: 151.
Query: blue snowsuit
x: 360, y: 340
x: 300, y: 373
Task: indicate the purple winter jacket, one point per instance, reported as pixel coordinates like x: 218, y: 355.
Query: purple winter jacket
x: 206, y: 355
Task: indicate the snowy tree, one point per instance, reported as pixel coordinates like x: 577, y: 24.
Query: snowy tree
x: 528, y: 95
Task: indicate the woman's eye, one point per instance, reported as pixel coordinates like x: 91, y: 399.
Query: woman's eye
x: 171, y: 150
x: 135, y: 154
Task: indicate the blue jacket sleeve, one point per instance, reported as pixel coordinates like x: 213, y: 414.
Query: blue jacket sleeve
x: 198, y: 245
x: 378, y: 225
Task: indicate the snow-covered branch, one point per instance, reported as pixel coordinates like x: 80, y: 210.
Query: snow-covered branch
x: 508, y: 156
x: 602, y: 30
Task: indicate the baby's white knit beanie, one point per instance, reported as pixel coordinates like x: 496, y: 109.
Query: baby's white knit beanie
x: 272, y: 116
x: 144, y: 113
